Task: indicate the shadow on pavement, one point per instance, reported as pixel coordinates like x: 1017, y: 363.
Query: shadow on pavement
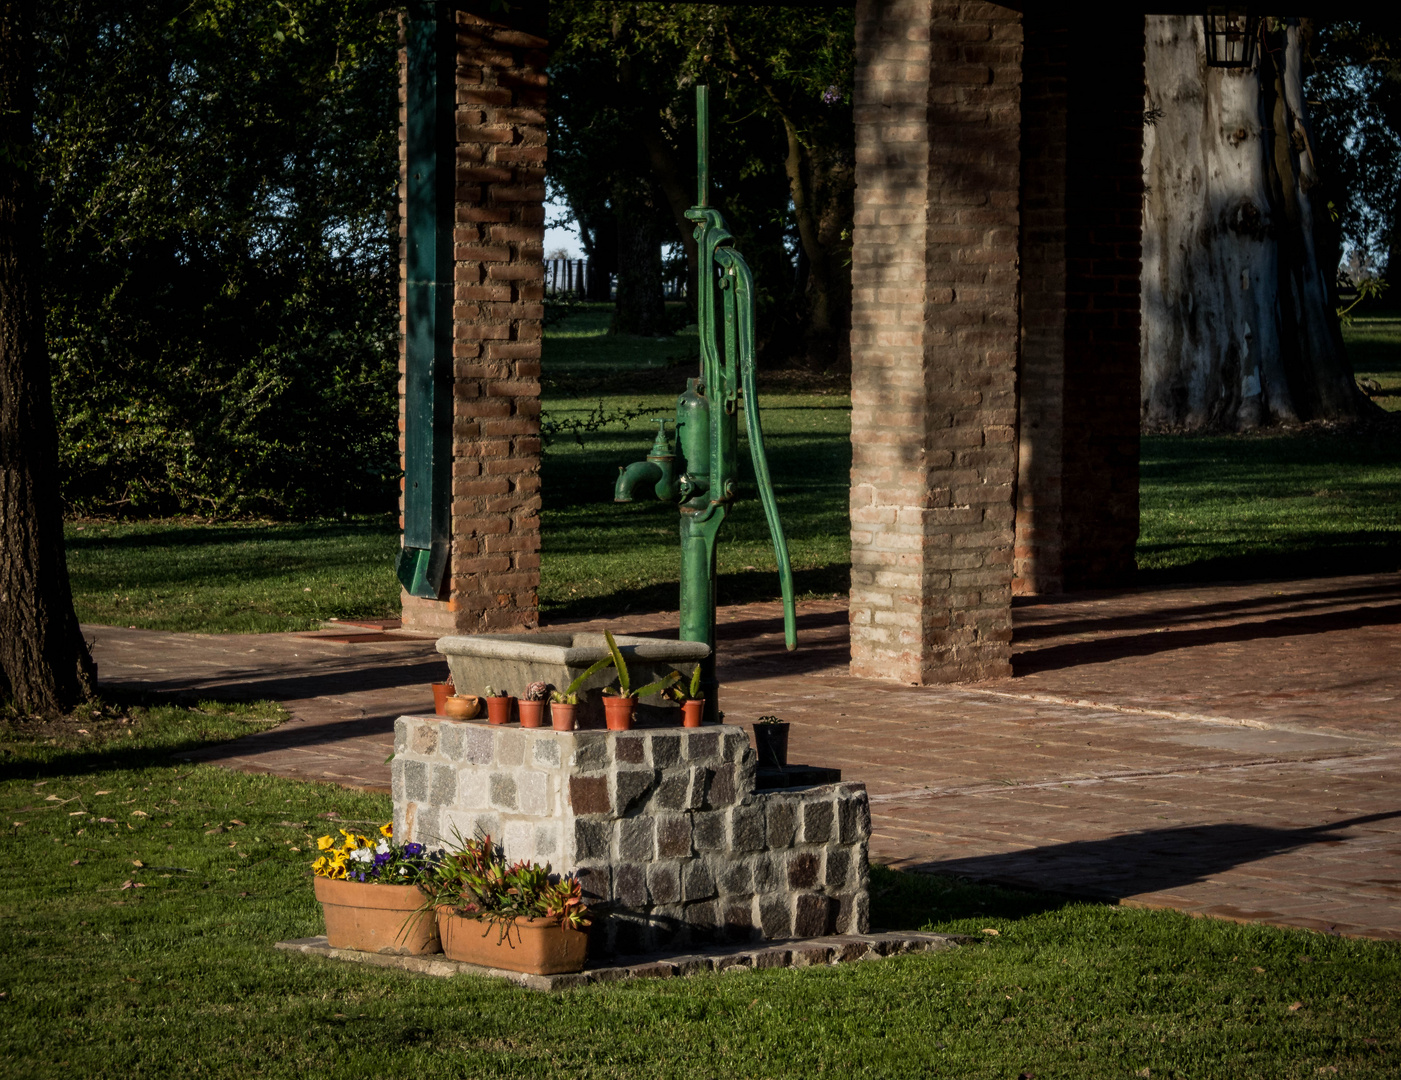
x: 1133, y: 863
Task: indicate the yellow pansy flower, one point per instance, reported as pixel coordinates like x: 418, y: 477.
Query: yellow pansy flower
x: 387, y: 831
x: 323, y: 842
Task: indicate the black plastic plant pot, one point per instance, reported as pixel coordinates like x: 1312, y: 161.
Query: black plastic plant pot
x: 771, y: 744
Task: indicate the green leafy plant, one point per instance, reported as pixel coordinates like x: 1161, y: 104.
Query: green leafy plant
x: 769, y: 720
x: 624, y: 687
x: 683, y: 692
x: 570, y: 694
x: 477, y: 881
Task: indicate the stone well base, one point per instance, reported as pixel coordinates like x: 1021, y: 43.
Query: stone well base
x: 662, y: 824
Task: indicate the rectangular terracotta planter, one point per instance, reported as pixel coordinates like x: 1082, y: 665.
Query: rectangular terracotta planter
x: 536, y: 946
x: 376, y: 918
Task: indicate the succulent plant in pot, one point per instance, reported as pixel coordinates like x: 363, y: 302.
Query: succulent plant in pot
x: 564, y: 702
x: 498, y: 706
x: 619, y: 701
x: 688, y: 696
x: 532, y: 704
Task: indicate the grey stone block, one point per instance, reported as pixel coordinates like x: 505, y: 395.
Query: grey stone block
x: 739, y: 918
x: 697, y: 883
x: 699, y: 783
x: 664, y: 882
x: 450, y: 740
x: 503, y: 791
x: 702, y: 747
x: 631, y: 787
x: 666, y: 750
x: 546, y: 840
x: 593, y: 839
x: 510, y: 748
x: 735, y: 744
x: 401, y: 734
x: 768, y: 873
x: 721, y: 791
x: 674, y: 836
x: 477, y: 745
x: 708, y: 830
x: 424, y: 739
x: 776, y: 916
x: 592, y: 751
x: 546, y: 751
x: 817, y: 822
x: 630, y: 886
x: 637, y: 839
x: 533, y: 793
x: 443, y: 791
x: 838, y: 865
x: 735, y: 877
x: 804, y: 869
x: 427, y: 829
x: 702, y: 917
x: 518, y: 841
x: 747, y: 828
x: 416, y: 781
x: 596, y: 882
x: 782, y: 814
x: 854, y: 818
x: 671, y: 791
x: 396, y: 786
x: 472, y: 785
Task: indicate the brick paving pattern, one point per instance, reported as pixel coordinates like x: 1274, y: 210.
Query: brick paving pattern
x: 1230, y: 750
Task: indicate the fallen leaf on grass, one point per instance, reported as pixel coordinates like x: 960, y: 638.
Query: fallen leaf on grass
x: 235, y: 821
x: 214, y: 831
x: 102, y: 793
x: 131, y: 885
x: 168, y: 825
x: 53, y: 798
x: 76, y: 813
x: 84, y: 731
x: 137, y: 862
x: 76, y: 862
x: 18, y: 824
x: 108, y: 820
x: 1296, y: 1006
x: 139, y: 813
x: 1260, y: 970
x: 994, y: 933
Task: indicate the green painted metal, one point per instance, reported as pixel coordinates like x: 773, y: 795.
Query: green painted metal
x: 702, y: 471
x: 428, y: 300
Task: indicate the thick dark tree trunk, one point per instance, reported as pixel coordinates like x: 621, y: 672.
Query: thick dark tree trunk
x: 45, y: 666
x: 1239, y: 312
x: 640, y: 308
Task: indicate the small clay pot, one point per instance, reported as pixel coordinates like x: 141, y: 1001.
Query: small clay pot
x: 562, y: 716
x: 617, y: 712
x: 498, y: 709
x: 441, y: 692
x: 532, y: 713
x: 462, y: 707
x: 692, y: 712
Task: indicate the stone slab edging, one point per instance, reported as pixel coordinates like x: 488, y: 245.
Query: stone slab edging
x: 809, y: 952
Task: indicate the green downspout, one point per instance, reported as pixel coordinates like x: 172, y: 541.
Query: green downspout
x: 431, y: 89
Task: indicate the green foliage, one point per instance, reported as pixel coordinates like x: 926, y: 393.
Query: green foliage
x: 222, y: 315
x: 476, y: 880
x: 179, y: 977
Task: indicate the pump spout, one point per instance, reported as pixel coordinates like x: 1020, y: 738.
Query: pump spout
x: 639, y: 472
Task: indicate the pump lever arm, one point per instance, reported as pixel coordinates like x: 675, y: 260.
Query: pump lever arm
x: 733, y: 263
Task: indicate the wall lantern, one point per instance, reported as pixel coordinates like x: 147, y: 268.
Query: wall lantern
x: 1230, y: 37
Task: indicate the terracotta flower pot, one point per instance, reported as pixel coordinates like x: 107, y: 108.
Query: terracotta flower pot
x: 376, y: 918
x: 562, y: 716
x: 498, y: 710
x: 441, y: 692
x: 538, y: 946
x: 692, y: 712
x: 532, y: 713
x: 617, y: 712
x: 462, y: 707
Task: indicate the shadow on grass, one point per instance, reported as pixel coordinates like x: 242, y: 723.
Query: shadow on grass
x: 912, y: 900
x: 1316, y: 555
x: 217, y: 535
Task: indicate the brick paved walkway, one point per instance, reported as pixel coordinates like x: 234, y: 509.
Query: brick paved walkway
x: 1230, y: 750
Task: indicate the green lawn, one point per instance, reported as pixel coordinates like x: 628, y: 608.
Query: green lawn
x: 1212, y: 507
x: 178, y: 977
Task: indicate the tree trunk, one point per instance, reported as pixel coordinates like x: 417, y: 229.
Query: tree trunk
x: 45, y: 666
x: 639, y: 308
x: 1239, y: 296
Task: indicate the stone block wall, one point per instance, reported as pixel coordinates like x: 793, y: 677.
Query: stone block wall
x: 662, y: 825
x: 934, y: 339
x: 498, y: 314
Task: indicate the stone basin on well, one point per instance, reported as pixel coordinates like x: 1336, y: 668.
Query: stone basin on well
x: 511, y: 662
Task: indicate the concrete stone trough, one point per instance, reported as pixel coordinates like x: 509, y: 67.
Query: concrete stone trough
x: 511, y: 662
x: 663, y: 825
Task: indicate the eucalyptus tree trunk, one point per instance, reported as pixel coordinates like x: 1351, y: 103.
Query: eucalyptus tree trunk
x: 1239, y: 265
x: 45, y: 666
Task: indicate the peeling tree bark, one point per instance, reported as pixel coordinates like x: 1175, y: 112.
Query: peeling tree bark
x: 45, y: 666
x: 1239, y: 306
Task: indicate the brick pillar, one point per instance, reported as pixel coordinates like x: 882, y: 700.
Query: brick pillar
x: 498, y: 309
x: 1082, y: 189
x: 934, y: 339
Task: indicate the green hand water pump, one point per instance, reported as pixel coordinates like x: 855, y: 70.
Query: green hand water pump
x: 701, y: 471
